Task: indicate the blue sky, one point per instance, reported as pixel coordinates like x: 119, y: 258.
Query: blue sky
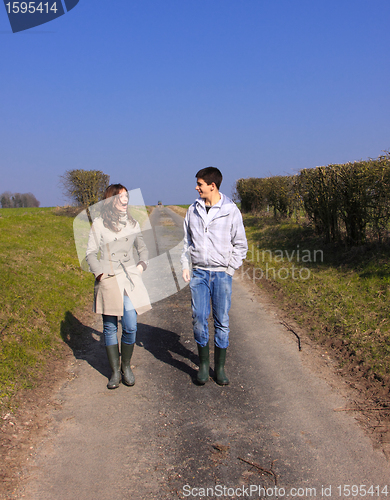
x: 150, y: 91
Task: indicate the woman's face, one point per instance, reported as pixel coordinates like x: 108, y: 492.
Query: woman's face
x: 121, y: 201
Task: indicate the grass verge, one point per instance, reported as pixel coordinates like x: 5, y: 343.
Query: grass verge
x: 40, y: 283
x: 339, y: 295
x: 178, y: 209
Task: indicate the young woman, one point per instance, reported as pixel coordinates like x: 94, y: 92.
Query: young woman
x: 119, y: 289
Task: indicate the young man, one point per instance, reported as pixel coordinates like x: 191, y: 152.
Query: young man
x: 215, y: 244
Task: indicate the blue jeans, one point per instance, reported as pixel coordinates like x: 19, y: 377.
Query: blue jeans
x: 129, y: 325
x: 217, y: 286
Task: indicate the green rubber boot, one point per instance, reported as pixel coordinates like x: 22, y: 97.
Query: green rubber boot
x: 204, y: 365
x: 113, y: 358
x: 127, y: 374
x: 219, y: 366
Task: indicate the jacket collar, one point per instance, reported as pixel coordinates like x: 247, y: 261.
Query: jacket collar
x: 225, y: 205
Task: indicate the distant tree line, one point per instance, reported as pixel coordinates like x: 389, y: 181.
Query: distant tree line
x: 18, y: 200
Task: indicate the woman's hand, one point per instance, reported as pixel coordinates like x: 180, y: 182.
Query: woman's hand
x: 186, y: 275
x: 140, y: 268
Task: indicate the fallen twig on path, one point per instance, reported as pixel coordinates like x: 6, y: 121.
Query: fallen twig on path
x: 270, y: 472
x: 295, y: 333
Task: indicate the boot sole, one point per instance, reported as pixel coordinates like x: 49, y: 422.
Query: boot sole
x: 125, y: 382
x: 222, y: 383
x: 128, y: 385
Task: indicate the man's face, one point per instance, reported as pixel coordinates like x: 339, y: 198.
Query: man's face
x: 204, y: 189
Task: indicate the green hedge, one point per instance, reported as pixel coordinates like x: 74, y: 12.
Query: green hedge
x: 277, y: 193
x: 344, y: 202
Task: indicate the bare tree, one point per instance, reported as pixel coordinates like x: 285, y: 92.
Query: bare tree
x: 29, y: 200
x: 17, y: 200
x: 84, y: 187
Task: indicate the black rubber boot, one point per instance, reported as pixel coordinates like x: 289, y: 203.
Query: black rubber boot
x: 113, y: 358
x: 219, y: 366
x: 204, y: 365
x: 127, y: 374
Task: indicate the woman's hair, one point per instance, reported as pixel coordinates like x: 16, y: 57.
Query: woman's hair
x: 110, y: 214
x: 113, y: 190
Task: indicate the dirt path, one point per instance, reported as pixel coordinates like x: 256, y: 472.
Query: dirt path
x: 166, y: 438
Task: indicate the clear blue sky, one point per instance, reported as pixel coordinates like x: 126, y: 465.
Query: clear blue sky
x: 150, y: 91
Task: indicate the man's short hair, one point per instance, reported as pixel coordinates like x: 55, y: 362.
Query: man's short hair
x: 210, y: 175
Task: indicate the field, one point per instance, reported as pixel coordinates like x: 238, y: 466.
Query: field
x: 41, y: 285
x: 339, y: 295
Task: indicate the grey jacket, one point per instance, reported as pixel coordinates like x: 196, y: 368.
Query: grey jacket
x: 219, y: 243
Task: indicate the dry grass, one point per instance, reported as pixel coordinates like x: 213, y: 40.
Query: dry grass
x: 178, y: 210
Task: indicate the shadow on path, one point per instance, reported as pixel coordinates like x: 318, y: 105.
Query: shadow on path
x: 164, y: 345
x: 87, y: 344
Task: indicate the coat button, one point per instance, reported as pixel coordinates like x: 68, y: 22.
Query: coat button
x: 115, y: 239
x: 125, y: 255
x: 127, y: 239
x: 112, y: 254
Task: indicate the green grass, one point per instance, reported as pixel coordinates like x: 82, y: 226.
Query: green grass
x: 341, y: 296
x: 40, y: 283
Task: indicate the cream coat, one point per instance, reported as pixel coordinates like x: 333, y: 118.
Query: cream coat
x: 112, y: 254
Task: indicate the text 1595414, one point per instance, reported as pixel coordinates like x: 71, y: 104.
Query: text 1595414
x: 31, y: 7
